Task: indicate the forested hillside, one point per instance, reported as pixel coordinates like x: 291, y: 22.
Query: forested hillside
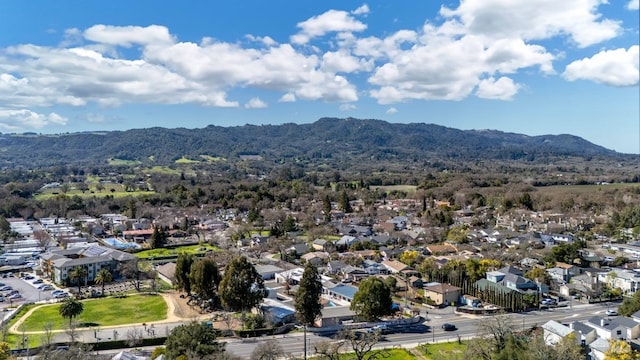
x: 350, y: 140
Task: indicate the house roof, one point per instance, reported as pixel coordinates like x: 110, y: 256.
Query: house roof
x: 600, y: 344
x: 395, y: 265
x: 511, y: 270
x: 441, y: 288
x: 347, y: 291
x: 336, y: 312
x: 555, y: 327
x: 484, y: 284
x: 268, y: 268
x: 168, y: 270
x: 563, y: 265
x: 441, y: 249
x: 583, y: 329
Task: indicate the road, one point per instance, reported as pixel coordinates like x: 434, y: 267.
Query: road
x: 422, y: 333
x: 409, y: 336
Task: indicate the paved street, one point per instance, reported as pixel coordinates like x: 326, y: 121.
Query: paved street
x: 408, y: 336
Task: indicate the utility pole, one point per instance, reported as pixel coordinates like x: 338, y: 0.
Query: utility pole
x: 305, y: 341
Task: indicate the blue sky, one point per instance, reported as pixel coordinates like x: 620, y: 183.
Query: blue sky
x: 525, y: 66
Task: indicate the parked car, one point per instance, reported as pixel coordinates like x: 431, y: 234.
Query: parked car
x: 29, y: 277
x: 449, y: 327
x: 612, y: 312
x: 15, y: 296
x: 382, y: 329
x: 6, y: 288
x: 61, y: 295
x: 548, y: 302
x: 38, y: 281
x: 45, y: 287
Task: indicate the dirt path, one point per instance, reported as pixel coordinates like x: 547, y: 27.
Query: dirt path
x: 177, y: 310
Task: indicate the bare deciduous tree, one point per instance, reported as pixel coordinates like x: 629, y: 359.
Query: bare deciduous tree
x: 329, y: 350
x: 267, y: 350
x: 362, y: 344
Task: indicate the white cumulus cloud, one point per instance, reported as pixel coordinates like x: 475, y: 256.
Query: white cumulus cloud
x: 503, y: 88
x: 23, y: 119
x: 536, y: 19
x: 362, y: 10
x: 617, y: 67
x: 633, y: 5
x: 347, y: 107
x: 128, y: 35
x: 330, y: 21
x: 288, y: 97
x: 391, y: 110
x: 255, y: 103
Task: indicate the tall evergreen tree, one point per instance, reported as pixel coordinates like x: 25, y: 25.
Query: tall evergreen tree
x: 241, y: 287
x: 307, y: 301
x: 183, y: 271
x: 372, y: 300
x: 344, y: 202
x: 158, y: 238
x: 205, y: 278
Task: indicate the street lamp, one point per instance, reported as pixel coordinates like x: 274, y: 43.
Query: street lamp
x: 26, y: 344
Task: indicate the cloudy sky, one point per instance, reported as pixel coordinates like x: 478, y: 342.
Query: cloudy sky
x: 526, y: 66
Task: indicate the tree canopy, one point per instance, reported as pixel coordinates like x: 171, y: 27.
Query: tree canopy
x: 372, y: 300
x: 241, y: 287
x: 70, y: 308
x: 307, y: 301
x: 193, y: 340
x: 183, y: 271
x: 205, y: 278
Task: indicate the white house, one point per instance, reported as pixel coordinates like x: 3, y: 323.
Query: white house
x: 628, y: 281
x: 554, y: 332
x: 619, y: 327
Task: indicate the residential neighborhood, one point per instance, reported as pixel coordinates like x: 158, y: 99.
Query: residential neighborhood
x: 515, y: 266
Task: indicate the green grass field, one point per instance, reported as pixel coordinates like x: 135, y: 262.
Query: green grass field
x: 444, y: 351
x: 391, y: 354
x: 101, y: 312
x: 191, y: 249
x: 122, y: 162
x: 389, y: 188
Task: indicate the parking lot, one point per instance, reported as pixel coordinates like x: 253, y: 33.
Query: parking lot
x: 28, y: 289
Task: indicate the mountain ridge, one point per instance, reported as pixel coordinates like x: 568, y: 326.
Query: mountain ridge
x: 323, y: 139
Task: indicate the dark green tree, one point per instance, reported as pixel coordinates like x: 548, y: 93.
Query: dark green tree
x: 289, y: 224
x: 326, y: 208
x: 158, y: 238
x: 70, y: 308
x: 241, y: 287
x: 79, y: 275
x: 372, y: 300
x: 630, y: 305
x: 183, y: 271
x: 307, y: 301
x: 344, y: 202
x: 205, y: 278
x: 103, y: 277
x: 193, y: 340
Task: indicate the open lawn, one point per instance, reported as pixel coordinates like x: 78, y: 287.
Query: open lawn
x: 393, y: 354
x: 51, y: 193
x: 444, y: 351
x: 191, y: 249
x: 583, y: 189
x: 101, y: 312
x: 389, y: 188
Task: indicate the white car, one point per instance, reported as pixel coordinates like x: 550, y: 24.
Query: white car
x: 61, y: 295
x: 612, y: 312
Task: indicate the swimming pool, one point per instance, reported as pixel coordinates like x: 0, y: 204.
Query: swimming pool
x: 119, y: 244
